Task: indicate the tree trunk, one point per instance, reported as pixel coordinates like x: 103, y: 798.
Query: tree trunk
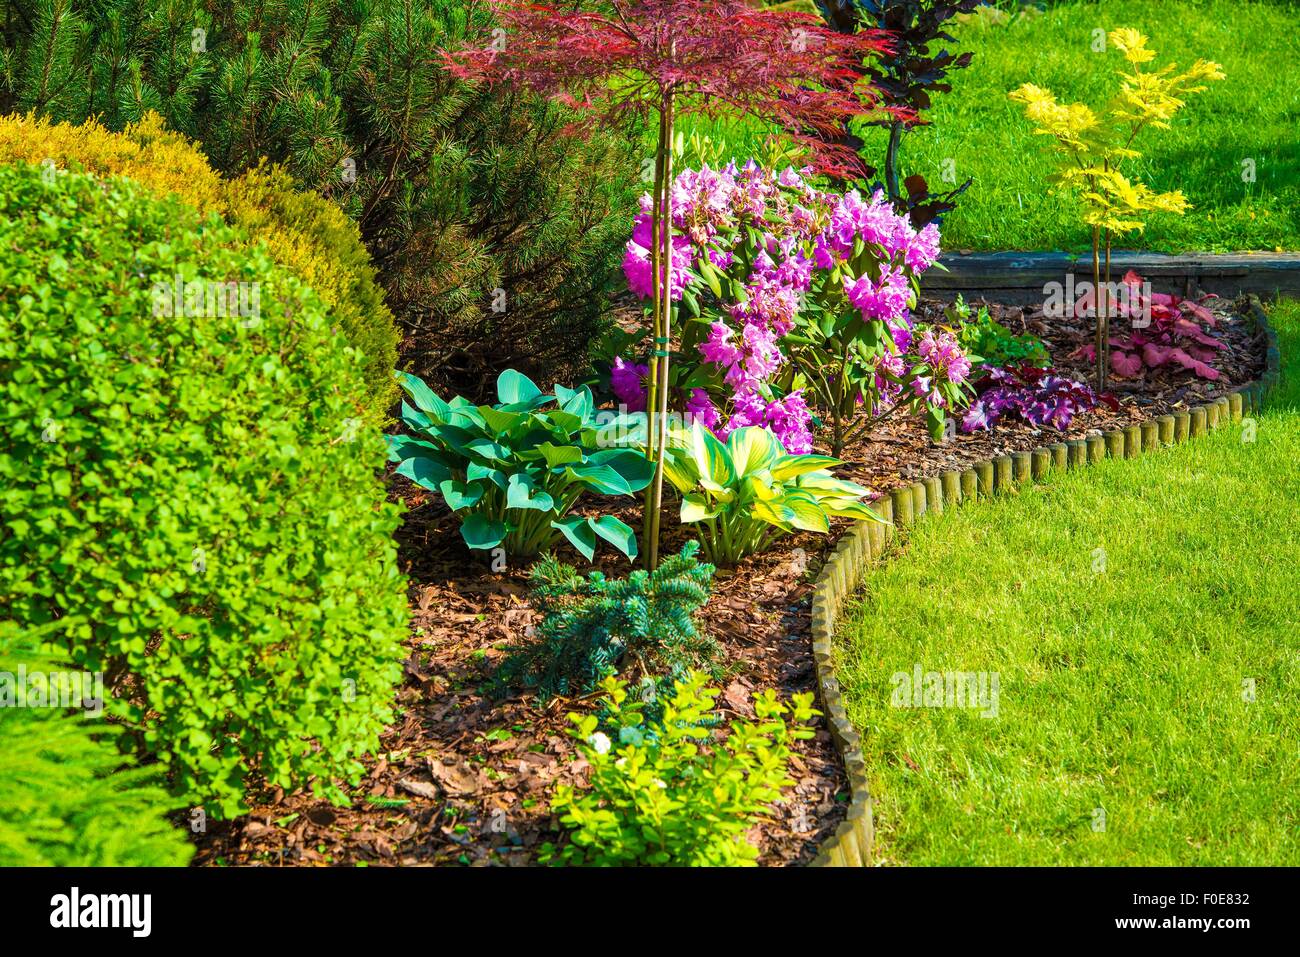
x: 891, y: 162
x: 659, y: 414
x: 652, y: 383
x: 1103, y: 352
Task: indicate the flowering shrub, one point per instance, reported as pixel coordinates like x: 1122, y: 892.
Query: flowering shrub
x: 1039, y: 396
x: 749, y: 492
x: 1176, y: 334
x: 811, y: 294
x: 665, y: 793
x: 512, y: 471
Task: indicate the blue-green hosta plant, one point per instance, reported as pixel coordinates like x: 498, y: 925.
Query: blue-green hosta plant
x: 747, y: 492
x: 512, y: 471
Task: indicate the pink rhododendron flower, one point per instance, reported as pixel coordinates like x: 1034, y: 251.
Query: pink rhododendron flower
x: 885, y: 300
x: 700, y: 408
x: 923, y: 249
x: 627, y: 382
x: 637, y: 265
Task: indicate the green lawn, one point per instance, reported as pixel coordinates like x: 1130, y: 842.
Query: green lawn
x: 1254, y: 114
x: 1122, y: 688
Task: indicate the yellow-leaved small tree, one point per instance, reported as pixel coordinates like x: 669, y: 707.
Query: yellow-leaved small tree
x: 1094, y: 145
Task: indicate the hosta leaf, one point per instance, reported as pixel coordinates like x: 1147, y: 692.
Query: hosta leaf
x: 480, y: 533
x: 557, y: 455
x: 805, y: 512
x: 616, y: 532
x: 697, y: 508
x: 579, y: 533
x: 404, y: 446
x: 415, y: 419
x: 486, y: 448
x: 602, y: 478
x: 635, y: 468
x: 499, y: 421
x: 477, y: 471
x: 772, y: 513
x: 522, y: 492
x: 712, y: 459
x: 792, y: 466
x: 460, y: 494
x: 424, y: 471
x: 752, y: 449
x: 424, y: 398
x: 515, y: 387
x: 850, y: 508
x: 575, y: 401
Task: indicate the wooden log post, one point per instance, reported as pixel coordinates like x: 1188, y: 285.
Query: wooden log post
x: 1022, y: 467
x: 1042, y: 463
x: 970, y: 485
x: 984, y: 473
x: 918, y: 500
x: 1165, y: 426
x: 1198, y: 422
x: 951, y: 481
x: 1078, y: 452
x: 1223, y: 413
x: 1132, y: 440
x: 1096, y: 449
x: 902, y: 499
x: 1002, y: 473
x: 1150, y: 435
x: 1060, y: 456
x: 1115, y: 443
x: 1182, y: 426
x: 934, y: 494
x: 1236, y: 406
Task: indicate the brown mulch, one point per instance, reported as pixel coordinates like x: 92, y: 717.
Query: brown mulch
x: 464, y: 778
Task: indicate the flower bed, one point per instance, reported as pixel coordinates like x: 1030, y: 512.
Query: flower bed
x: 465, y: 777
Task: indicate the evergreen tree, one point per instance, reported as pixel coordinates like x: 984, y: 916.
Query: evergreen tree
x: 494, y: 226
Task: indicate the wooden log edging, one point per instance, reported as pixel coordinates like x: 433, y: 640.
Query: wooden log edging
x: 867, y: 542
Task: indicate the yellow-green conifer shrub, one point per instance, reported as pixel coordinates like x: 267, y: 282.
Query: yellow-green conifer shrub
x: 68, y: 797
x: 303, y: 231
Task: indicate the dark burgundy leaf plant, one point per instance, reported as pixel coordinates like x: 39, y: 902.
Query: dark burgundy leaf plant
x: 907, y: 77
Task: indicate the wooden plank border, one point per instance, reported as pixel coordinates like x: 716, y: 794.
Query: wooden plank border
x: 1019, y: 278
x: 866, y: 543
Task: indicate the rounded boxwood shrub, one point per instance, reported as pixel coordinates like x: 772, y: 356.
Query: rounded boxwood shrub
x: 303, y: 231
x: 68, y: 798
x: 192, y: 497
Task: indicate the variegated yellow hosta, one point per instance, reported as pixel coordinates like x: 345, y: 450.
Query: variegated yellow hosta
x: 749, y: 491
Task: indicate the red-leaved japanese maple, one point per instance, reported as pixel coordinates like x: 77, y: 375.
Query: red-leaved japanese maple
x: 663, y: 58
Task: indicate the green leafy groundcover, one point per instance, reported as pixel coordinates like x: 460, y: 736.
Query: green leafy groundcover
x: 68, y: 798
x: 1141, y: 617
x: 188, y: 495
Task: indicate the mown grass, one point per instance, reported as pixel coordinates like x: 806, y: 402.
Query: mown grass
x: 1123, y: 688
x: 1252, y: 115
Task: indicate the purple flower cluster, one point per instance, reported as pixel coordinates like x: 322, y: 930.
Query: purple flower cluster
x: 776, y: 238
x: 1039, y: 396
x: 637, y: 265
x: 627, y: 382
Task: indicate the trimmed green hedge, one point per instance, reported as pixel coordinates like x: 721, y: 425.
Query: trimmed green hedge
x: 192, y: 497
